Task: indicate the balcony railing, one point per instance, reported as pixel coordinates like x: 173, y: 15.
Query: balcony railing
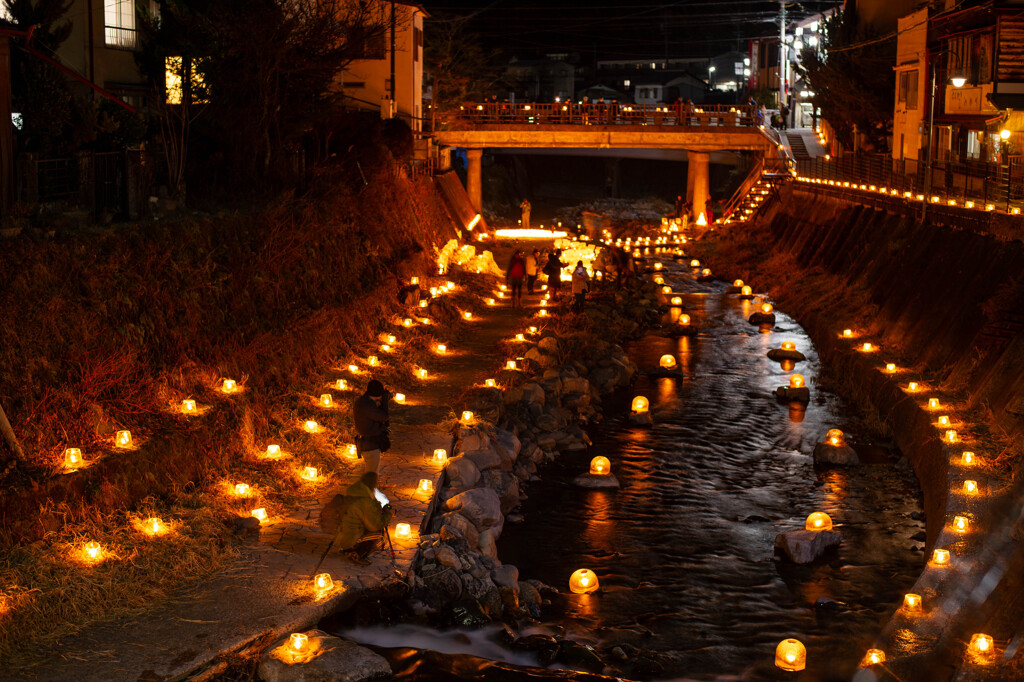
x: 121, y: 38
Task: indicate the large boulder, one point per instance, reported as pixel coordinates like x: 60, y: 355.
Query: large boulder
x: 473, y: 439
x: 843, y: 455
x: 481, y: 506
x: 509, y: 441
x: 456, y: 525
x: 575, y: 385
x: 806, y: 546
x: 533, y: 393
x: 329, y: 659
x: 801, y: 394
x: 463, y: 472
x: 484, y: 458
x: 506, y: 485
x: 506, y: 575
x: 589, y: 480
x: 488, y: 544
x: 549, y: 345
x: 441, y: 586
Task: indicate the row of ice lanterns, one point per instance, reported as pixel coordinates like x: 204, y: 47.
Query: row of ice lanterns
x: 933, y: 199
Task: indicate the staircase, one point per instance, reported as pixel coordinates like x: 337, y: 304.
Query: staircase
x: 757, y: 199
x: 797, y: 146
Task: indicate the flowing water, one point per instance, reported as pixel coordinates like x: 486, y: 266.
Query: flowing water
x: 684, y: 550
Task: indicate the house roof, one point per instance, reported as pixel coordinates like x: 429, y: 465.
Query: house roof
x: 414, y: 5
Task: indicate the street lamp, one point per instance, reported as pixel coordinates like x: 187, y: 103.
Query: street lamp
x: 711, y: 76
x: 958, y: 80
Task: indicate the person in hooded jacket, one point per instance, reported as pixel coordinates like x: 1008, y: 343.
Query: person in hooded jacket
x: 370, y: 416
x: 580, y: 285
x: 363, y: 525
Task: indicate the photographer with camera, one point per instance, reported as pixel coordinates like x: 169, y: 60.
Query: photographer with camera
x: 370, y: 414
x: 364, y: 523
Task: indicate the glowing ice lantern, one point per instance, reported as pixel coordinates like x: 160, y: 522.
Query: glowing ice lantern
x: 154, y: 526
x: 400, y: 398
x: 467, y: 416
x: 912, y: 387
x: 658, y: 266
x: 424, y: 303
x: 706, y: 272
x: 123, y: 439
x: 641, y: 404
x: 981, y: 644
x: 422, y: 373
x: 93, y: 551
x: 467, y: 315
x: 309, y: 473
x: 73, y: 458
x: 414, y: 280
x: 510, y: 365
x: 818, y: 521
x: 890, y: 367
x: 425, y: 486
x: 835, y: 437
x: 542, y: 313
x: 385, y: 347
x: 867, y: 347
x: 441, y: 348
x: 407, y: 322
x: 228, y: 386
x: 960, y: 524
x: 440, y: 456
x: 188, y: 406
x: 259, y: 513
x: 532, y: 329
x: 351, y: 451
x: 940, y: 557
x: 310, y: 425
x: 912, y: 602
x: 273, y: 450
x: 354, y: 369
x: 326, y: 400
x: 790, y: 655
x: 967, y: 457
x: 788, y: 345
x: 403, y: 531
x: 372, y: 361
x: 847, y: 333
x: 668, y: 361
x: 796, y: 381
x: 583, y: 581
x: 767, y: 308
x: 323, y: 582
x: 874, y: 656
x: 746, y: 291
x: 297, y: 642
x: 684, y: 320
x: 970, y: 487
x: 951, y: 436
x: 490, y: 301
x: 392, y: 339
x: 738, y: 284
x: 490, y: 383
x: 341, y: 385
x: 666, y: 290
x: 695, y: 263
x: 944, y: 420
x: 520, y: 337
x: 600, y: 466
x: 242, y: 489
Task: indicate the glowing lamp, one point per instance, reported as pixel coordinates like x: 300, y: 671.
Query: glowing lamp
x: 747, y: 291
x: 341, y: 385
x: 441, y: 348
x: 385, y: 347
x: 188, y: 406
x: 422, y: 373
x: 767, y: 308
x: 912, y: 602
x: 981, y: 644
x: 242, y: 489
x: 874, y: 656
x: 1004, y: 134
x: 326, y: 400
x: 323, y: 582
x: 73, y: 458
x: 667, y: 361
x: 940, y: 557
x: 818, y: 521
x: 489, y: 383
x: 967, y: 457
x: 944, y: 420
x: 835, y: 437
x: 847, y: 333
x: 407, y: 322
x: 701, y: 219
x: 354, y: 369
x: 403, y: 531
x: 951, y: 436
x: 123, y: 439
x: 961, y: 524
x: 542, y: 313
x: 520, y: 337
x: 310, y: 425
x: 788, y: 345
x: 372, y: 361
x: 677, y: 300
x: 912, y: 387
x: 600, y: 466
x: 867, y: 347
x: 433, y: 291
x: 658, y: 266
x: 392, y: 339
x: 583, y: 581
x: 738, y: 283
x: 298, y: 642
x: 467, y: 416
x: 424, y: 303
x: 666, y: 290
x: 532, y: 329
x: 640, y: 404
x: 273, y: 450
x: 351, y: 451
x: 228, y: 386
x: 695, y: 263
x: 425, y: 486
x: 796, y: 381
x: 890, y: 367
x: 309, y: 473
x: 490, y: 301
x: 684, y: 320
x: 511, y: 364
x: 259, y: 513
x: 400, y: 398
x: 970, y: 487
x: 790, y: 655
x: 440, y: 456
x: 503, y: 287
x: 449, y: 285
x: 414, y: 280
x: 93, y: 551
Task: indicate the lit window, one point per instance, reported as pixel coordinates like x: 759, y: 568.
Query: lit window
x: 625, y: 83
x: 119, y: 20
x: 738, y: 68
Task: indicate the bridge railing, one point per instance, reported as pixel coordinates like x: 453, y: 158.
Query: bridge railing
x: 472, y: 114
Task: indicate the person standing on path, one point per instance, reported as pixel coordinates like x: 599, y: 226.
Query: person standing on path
x: 553, y: 269
x: 514, y: 277
x: 525, y: 206
x: 580, y: 285
x: 370, y: 416
x: 532, y: 261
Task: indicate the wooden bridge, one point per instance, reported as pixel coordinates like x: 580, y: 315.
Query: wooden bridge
x: 697, y: 129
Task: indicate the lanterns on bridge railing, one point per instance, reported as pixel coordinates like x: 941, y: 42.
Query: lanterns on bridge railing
x: 791, y: 655
x: 818, y: 521
x: 640, y: 404
x: 583, y: 581
x: 600, y: 466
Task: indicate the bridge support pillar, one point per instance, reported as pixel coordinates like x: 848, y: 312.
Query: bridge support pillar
x: 474, y: 186
x: 697, y: 182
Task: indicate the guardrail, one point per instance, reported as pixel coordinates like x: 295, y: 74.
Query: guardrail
x: 661, y: 115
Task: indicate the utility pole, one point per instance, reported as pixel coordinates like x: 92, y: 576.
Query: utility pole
x: 783, y: 62
x: 394, y: 42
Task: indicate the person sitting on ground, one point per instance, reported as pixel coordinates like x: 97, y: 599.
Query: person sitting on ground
x: 580, y: 284
x: 362, y: 528
x: 370, y: 416
x: 514, y: 277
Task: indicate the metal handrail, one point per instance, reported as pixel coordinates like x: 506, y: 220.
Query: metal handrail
x: 613, y: 113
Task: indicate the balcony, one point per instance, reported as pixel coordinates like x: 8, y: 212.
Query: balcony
x: 121, y: 38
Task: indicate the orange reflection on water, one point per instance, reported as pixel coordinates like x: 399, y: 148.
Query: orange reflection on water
x: 787, y: 365
x: 666, y: 391
x: 797, y: 412
x: 599, y: 531
x: 836, y: 490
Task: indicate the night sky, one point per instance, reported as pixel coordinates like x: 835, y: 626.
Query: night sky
x: 616, y: 29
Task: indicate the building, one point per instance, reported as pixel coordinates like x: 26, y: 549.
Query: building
x: 541, y: 80
x: 366, y: 82
x: 654, y: 81
x: 911, y: 75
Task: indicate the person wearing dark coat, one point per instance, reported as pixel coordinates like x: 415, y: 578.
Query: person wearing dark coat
x: 370, y: 415
x: 553, y: 269
x: 361, y: 530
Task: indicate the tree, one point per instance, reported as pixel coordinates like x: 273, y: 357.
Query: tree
x: 852, y: 80
x: 458, y: 68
